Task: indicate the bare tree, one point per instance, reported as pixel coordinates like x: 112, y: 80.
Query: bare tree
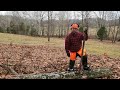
x: 28, y: 16
x: 116, y: 28
x: 101, y: 18
x: 85, y: 15
x: 48, y: 26
x: 68, y: 17
x: 51, y: 24
x: 16, y: 17
x: 114, y: 25
x: 61, y: 24
x: 39, y: 17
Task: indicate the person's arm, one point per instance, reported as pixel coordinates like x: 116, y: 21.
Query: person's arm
x: 67, y: 46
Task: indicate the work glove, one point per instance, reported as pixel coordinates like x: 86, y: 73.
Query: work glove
x: 68, y: 53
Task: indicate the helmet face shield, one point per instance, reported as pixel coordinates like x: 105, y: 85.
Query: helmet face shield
x: 74, y: 26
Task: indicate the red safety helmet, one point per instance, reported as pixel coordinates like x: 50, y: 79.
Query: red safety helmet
x: 75, y: 26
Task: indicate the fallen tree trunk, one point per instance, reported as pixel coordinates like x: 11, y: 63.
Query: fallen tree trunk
x: 97, y: 73
x: 9, y: 69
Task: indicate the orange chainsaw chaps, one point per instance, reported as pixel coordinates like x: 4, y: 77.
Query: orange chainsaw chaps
x: 73, y: 54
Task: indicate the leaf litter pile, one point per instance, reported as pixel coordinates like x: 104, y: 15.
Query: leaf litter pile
x: 27, y: 59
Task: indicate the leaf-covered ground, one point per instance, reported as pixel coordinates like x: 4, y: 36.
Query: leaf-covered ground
x: 26, y: 59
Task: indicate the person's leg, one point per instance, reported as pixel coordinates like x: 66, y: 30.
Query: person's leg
x: 71, y: 64
x: 85, y: 63
x: 72, y: 61
x: 85, y: 60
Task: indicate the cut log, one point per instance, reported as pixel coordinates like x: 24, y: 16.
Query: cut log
x: 97, y: 73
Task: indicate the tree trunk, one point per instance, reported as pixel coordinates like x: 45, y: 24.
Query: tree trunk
x: 113, y: 34
x: 43, y: 31
x: 62, y: 31
x: 101, y: 39
x: 53, y: 29
x: 82, y: 20
x: 42, y: 26
x: 116, y: 34
x: 108, y: 32
x: 93, y: 74
x: 115, y: 38
x: 67, y: 28
x: 48, y: 26
x: 59, y: 32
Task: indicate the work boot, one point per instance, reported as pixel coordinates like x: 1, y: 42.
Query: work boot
x: 71, y: 66
x: 84, y: 63
x: 70, y: 70
x: 86, y: 68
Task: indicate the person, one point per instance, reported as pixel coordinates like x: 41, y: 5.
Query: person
x: 73, y: 46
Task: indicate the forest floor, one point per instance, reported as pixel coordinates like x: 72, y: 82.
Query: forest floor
x: 26, y: 54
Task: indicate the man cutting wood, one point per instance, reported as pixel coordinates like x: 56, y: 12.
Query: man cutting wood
x: 73, y: 46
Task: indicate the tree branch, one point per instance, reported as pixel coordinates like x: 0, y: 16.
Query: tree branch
x: 10, y: 70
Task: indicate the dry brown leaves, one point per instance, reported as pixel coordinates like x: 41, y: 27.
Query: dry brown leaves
x: 33, y: 59
x: 25, y: 59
